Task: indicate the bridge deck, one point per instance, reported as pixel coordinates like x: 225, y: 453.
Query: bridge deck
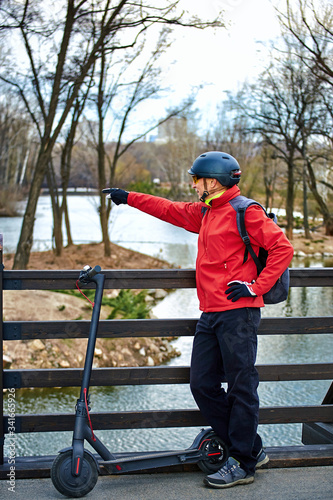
x: 301, y: 483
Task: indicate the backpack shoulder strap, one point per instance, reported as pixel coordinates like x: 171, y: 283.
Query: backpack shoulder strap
x: 240, y: 204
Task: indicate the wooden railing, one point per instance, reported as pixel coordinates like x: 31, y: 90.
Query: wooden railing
x: 147, y: 279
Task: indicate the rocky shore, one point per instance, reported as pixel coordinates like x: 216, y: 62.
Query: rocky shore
x: 42, y: 305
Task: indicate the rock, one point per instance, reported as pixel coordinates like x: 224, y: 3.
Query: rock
x: 150, y: 361
x: 98, y: 352
x: 7, y: 361
x: 137, y: 346
x: 126, y: 352
x: 142, y: 351
x: 154, y: 348
x: 160, y: 294
x: 112, y: 294
x: 64, y: 363
x: 37, y: 345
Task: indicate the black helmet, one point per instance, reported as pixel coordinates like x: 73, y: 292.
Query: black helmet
x: 217, y: 165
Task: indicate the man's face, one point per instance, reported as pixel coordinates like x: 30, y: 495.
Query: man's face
x: 198, y: 185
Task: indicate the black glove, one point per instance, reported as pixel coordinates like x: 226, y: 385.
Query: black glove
x: 118, y: 196
x: 239, y: 289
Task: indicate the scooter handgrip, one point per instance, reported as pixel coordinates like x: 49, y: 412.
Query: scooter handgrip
x: 95, y: 270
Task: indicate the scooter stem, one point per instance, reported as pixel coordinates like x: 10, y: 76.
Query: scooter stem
x: 87, y: 276
x: 99, y: 280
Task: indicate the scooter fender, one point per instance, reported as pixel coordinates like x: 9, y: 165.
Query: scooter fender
x: 87, y: 451
x: 200, y: 437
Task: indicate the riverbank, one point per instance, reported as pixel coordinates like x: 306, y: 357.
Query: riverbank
x: 46, y: 306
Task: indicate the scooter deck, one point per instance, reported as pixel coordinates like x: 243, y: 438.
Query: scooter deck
x: 154, y: 454
x: 137, y: 462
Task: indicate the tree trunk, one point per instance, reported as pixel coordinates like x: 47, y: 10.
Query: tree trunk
x: 290, y: 201
x: 65, y: 164
x: 23, y: 250
x: 305, y: 206
x: 328, y: 218
x: 103, y: 215
x: 64, y: 210
x: 56, y: 212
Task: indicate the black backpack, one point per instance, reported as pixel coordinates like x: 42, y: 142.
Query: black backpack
x: 279, y: 291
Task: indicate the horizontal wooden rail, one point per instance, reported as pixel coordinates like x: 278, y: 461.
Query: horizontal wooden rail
x: 135, y: 279
x: 66, y: 377
x: 25, y: 330
x: 142, y: 278
x: 161, y: 419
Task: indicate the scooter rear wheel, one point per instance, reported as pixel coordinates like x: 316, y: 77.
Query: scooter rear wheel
x: 215, y: 453
x: 69, y: 485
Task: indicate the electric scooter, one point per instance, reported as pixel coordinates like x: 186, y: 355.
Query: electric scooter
x: 75, y: 470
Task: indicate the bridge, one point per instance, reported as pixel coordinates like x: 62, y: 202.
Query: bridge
x: 315, y: 453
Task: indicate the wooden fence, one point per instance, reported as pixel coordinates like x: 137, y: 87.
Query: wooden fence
x: 155, y: 279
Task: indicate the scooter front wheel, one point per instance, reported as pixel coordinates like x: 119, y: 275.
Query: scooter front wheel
x: 69, y: 485
x: 215, y: 453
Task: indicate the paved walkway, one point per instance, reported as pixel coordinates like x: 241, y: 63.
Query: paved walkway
x: 304, y: 483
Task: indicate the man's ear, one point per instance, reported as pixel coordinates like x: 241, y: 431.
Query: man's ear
x: 215, y: 183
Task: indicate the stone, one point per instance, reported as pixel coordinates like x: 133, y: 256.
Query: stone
x: 150, y: 361
x: 7, y: 361
x: 160, y: 294
x: 126, y: 352
x: 37, y: 345
x: 98, y: 352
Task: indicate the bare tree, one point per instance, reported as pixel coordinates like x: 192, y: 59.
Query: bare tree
x: 232, y: 133
x: 312, y: 30
x: 286, y: 108
x: 130, y: 87
x: 61, y: 47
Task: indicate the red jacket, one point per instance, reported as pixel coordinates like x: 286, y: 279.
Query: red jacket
x: 220, y: 247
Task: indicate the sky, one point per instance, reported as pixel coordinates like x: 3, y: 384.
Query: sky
x: 218, y: 59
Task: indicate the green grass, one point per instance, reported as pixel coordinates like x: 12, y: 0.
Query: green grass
x: 127, y: 305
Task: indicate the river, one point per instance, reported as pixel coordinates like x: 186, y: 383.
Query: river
x: 137, y: 231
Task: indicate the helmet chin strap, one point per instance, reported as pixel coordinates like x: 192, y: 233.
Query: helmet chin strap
x: 204, y: 196
x: 206, y: 192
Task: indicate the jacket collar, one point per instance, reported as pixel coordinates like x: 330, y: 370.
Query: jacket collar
x: 225, y: 198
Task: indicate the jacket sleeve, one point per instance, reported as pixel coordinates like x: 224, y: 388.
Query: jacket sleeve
x: 181, y: 214
x: 264, y: 232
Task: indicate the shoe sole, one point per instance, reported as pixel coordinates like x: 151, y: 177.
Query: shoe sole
x: 262, y: 462
x: 245, y: 480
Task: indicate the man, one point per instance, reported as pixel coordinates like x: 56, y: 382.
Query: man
x: 230, y: 296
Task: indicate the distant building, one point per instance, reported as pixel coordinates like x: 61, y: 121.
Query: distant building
x: 171, y: 130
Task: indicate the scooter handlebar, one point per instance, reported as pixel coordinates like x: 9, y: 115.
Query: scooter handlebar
x: 88, y: 273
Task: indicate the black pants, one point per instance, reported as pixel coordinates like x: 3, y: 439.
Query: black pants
x: 225, y: 348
